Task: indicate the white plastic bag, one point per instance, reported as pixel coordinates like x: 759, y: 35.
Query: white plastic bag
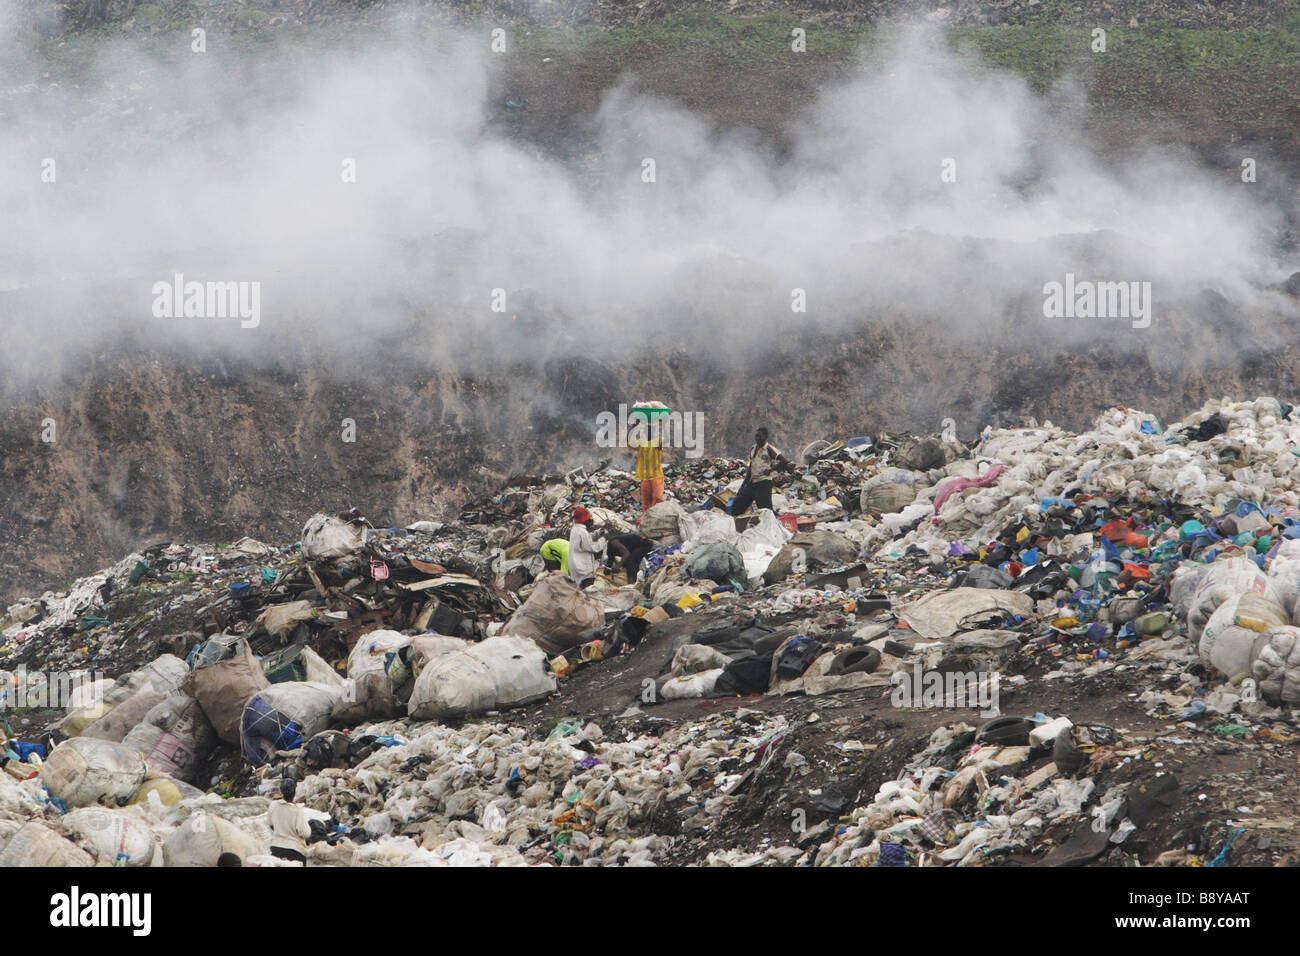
x: 1277, y: 666
x: 371, y: 651
x: 706, y: 527
x: 325, y: 537
x: 693, y: 658
x: 759, y: 543
x: 1285, y: 575
x: 700, y: 684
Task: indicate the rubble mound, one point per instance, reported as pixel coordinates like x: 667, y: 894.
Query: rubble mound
x: 1063, y: 649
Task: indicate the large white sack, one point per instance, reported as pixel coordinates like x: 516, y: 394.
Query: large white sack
x: 1227, y: 646
x: 89, y: 700
x: 706, y: 527
x: 371, y: 651
x: 1277, y: 666
x: 117, y: 723
x: 1288, y: 548
x: 161, y: 676
x: 499, y: 672
x: 164, y: 673
x: 37, y: 845
x: 760, y: 542
x: 1258, y: 613
x: 325, y: 537
x: 120, y: 837
x: 318, y: 670
x: 453, y: 686
x: 203, y: 837
x: 374, y: 687
x: 1285, y: 575
x: 83, y: 771
x: 1225, y: 579
x: 700, y: 684
x: 519, y: 669
x: 428, y: 646
x: 888, y: 492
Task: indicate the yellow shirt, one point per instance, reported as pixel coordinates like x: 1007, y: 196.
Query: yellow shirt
x: 557, y: 549
x: 649, y: 459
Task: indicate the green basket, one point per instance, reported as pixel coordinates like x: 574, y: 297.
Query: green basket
x: 652, y: 414
x: 285, y: 666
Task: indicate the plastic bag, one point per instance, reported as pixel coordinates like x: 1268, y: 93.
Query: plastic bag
x: 663, y: 521
x: 519, y: 670
x: 117, y: 723
x: 761, y: 542
x: 1284, y: 572
x: 700, y: 684
x: 1277, y: 666
x: 325, y: 537
x: 1258, y: 613
x: 451, y: 687
x: 162, y: 675
x: 428, y: 646
x: 705, y: 527
x: 693, y: 658
x: 717, y: 561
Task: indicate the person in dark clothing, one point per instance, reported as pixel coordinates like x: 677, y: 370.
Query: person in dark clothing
x: 627, y: 551
x: 757, y: 487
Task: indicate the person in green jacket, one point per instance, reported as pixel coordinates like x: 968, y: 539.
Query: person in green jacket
x: 555, y: 555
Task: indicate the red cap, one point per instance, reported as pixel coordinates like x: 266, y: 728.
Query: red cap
x: 581, y: 515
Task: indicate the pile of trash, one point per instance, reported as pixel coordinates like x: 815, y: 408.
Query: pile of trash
x: 379, y: 695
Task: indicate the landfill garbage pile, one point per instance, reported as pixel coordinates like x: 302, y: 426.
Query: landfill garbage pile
x: 1041, y: 648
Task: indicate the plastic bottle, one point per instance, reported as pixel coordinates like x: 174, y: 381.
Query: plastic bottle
x: 1089, y: 605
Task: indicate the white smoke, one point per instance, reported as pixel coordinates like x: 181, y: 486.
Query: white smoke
x: 228, y: 165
